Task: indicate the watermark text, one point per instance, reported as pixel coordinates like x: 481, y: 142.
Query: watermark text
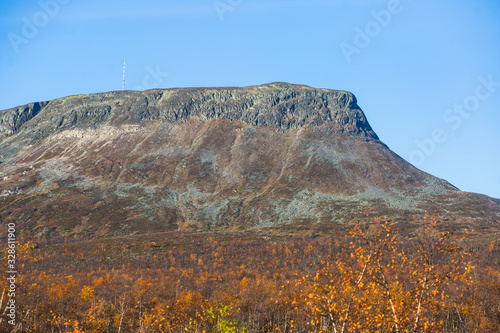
x: 10, y: 309
x: 32, y: 25
x: 454, y: 118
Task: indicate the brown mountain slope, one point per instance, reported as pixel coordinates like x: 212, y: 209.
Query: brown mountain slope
x: 134, y: 162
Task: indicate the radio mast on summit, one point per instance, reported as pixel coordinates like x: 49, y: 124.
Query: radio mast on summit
x: 123, y: 81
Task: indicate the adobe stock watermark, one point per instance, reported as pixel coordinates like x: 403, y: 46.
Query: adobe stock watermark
x: 153, y: 79
x: 223, y: 6
x: 32, y: 25
x: 10, y: 308
x: 363, y: 37
x: 454, y: 117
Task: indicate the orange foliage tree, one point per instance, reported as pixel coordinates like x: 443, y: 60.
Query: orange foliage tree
x: 386, y: 284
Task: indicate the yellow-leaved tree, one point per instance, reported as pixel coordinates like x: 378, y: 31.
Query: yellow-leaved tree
x: 383, y: 284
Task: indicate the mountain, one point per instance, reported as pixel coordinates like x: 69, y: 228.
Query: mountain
x: 128, y: 162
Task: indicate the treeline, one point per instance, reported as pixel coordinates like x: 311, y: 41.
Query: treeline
x: 369, y: 280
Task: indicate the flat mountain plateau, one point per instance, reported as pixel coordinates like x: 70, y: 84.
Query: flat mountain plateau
x: 275, y: 156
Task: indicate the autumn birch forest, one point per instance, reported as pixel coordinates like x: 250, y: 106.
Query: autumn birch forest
x: 367, y: 277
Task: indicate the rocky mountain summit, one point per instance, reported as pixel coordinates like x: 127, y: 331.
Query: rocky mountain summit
x: 133, y: 162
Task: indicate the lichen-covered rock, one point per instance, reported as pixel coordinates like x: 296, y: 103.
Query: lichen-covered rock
x: 11, y: 120
x: 278, y: 105
x: 125, y: 162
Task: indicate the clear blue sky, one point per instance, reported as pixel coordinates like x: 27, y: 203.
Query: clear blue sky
x: 425, y: 72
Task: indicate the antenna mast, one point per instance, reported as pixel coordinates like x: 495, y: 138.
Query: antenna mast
x: 123, y: 81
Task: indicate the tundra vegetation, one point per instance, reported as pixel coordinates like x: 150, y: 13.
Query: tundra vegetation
x: 373, y: 277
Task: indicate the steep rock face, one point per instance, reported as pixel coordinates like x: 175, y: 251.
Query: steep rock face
x: 277, y: 105
x: 11, y: 120
x: 126, y: 162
